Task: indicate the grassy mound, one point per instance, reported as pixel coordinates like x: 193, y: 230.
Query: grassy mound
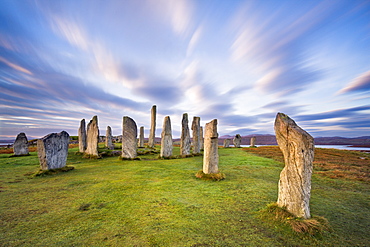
x: 212, y: 176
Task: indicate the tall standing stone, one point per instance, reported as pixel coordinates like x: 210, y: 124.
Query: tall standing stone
x: 201, y: 138
x: 253, y: 141
x: 237, y: 140
x: 195, y: 126
x: 108, y: 138
x: 141, y: 137
x: 210, y: 158
x: 151, y: 140
x: 185, y: 136
x: 20, y: 145
x: 52, y: 150
x: 129, y: 138
x: 226, y: 143
x: 166, y: 138
x: 298, y: 149
x: 82, y: 136
x: 92, y: 137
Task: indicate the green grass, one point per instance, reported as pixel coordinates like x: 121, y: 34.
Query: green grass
x: 151, y: 202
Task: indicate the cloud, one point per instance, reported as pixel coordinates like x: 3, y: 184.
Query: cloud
x: 359, y: 84
x: 349, y: 112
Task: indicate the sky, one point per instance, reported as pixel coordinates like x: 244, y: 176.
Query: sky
x: 240, y: 62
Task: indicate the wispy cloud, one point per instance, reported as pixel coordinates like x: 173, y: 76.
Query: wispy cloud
x: 359, y: 84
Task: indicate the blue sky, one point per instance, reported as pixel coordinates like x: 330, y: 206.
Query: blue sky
x: 238, y: 61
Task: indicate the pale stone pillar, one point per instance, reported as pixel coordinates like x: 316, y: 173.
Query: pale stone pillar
x: 237, y: 140
x: 185, y: 136
x: 298, y: 149
x: 52, y: 150
x: 210, y: 158
x: 166, y: 139
x: 82, y: 136
x: 151, y: 141
x: 129, y: 138
x: 141, y: 137
x: 108, y: 138
x: 20, y: 145
x: 195, y: 126
x: 226, y: 143
x: 92, y: 137
x: 253, y: 141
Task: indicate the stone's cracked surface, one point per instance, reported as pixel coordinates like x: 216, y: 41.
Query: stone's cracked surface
x: 52, y: 150
x: 195, y: 126
x: 92, y: 137
x: 185, y: 143
x: 298, y: 149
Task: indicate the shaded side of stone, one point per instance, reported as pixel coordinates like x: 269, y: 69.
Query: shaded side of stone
x: 52, y: 150
x: 108, y: 138
x: 82, y: 136
x: 92, y: 137
x: 297, y: 147
x: 185, y: 142
x: 166, y: 138
x: 129, y: 138
x: 20, y: 145
x: 237, y: 140
x: 201, y: 138
x: 141, y: 137
x: 151, y: 140
x: 195, y: 126
x: 210, y: 158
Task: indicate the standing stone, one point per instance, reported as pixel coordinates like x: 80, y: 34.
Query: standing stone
x: 226, y: 143
x: 108, y: 138
x: 151, y: 140
x: 141, y: 137
x: 195, y: 126
x: 92, y: 137
x: 237, y: 140
x: 201, y: 138
x: 166, y: 138
x: 129, y: 138
x: 185, y: 136
x: 20, y: 145
x: 52, y: 150
x: 210, y: 159
x: 253, y: 141
x: 82, y: 136
x: 298, y: 149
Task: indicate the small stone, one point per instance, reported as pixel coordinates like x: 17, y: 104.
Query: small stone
x: 141, y: 137
x: 109, y: 139
x: 253, y: 141
x: 52, y: 150
x: 20, y: 145
x: 237, y: 140
x: 226, y: 143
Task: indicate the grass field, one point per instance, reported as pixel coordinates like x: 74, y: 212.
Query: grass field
x: 151, y: 202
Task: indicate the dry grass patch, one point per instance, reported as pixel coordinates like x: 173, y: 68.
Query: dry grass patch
x: 332, y: 163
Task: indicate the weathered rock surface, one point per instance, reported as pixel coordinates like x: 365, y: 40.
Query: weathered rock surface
x: 253, y: 141
x: 166, y: 139
x: 92, y: 137
x: 82, y: 136
x: 210, y: 158
x: 237, y: 140
x: 108, y: 138
x: 52, y: 150
x: 298, y: 149
x: 195, y: 126
x: 141, y: 137
x: 151, y: 140
x: 185, y: 136
x: 20, y: 145
x: 226, y: 143
x: 129, y: 138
